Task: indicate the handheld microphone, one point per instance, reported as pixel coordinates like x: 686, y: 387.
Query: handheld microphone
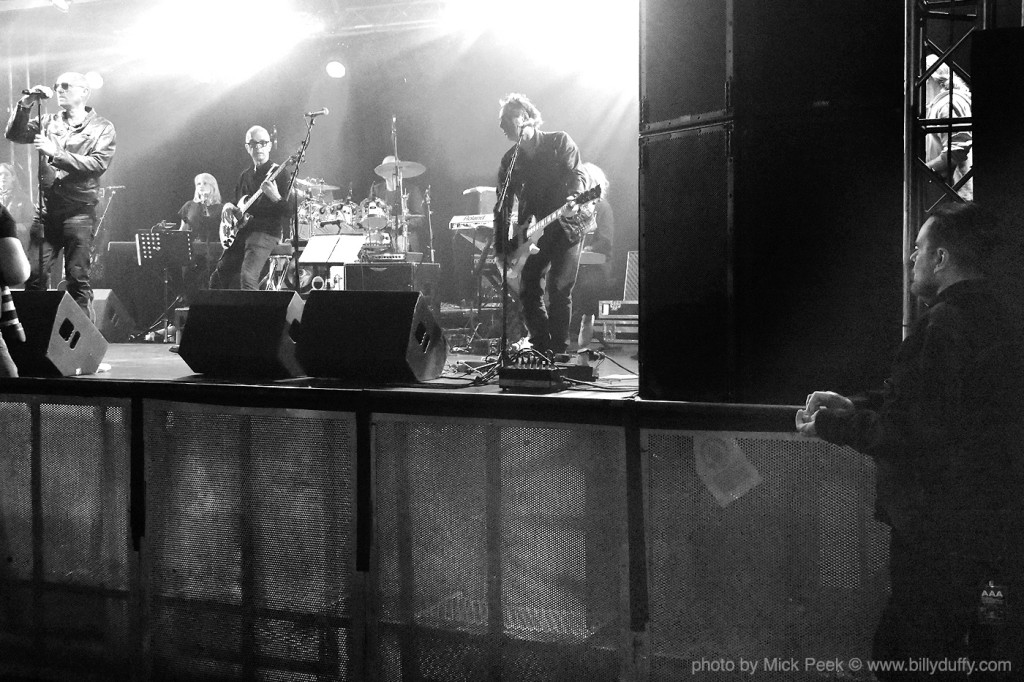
x: 40, y: 91
x: 318, y: 112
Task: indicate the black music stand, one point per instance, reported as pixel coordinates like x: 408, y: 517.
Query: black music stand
x: 165, y: 250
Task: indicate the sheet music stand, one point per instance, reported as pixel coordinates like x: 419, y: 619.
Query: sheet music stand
x: 165, y: 250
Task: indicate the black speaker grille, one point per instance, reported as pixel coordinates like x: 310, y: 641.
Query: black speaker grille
x: 251, y: 524
x: 500, y: 549
x: 795, y: 568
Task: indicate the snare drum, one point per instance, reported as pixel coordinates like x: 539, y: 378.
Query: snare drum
x: 373, y: 214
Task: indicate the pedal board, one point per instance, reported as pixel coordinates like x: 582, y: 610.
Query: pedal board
x: 530, y: 373
x: 533, y: 375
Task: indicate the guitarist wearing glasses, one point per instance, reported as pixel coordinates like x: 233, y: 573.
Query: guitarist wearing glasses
x: 544, y: 251
x: 252, y: 228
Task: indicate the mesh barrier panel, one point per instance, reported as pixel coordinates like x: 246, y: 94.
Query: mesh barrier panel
x: 500, y: 550
x: 795, y: 568
x: 64, y: 577
x: 250, y: 542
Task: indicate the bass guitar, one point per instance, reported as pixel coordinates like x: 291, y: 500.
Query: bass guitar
x: 231, y: 226
x: 529, y: 232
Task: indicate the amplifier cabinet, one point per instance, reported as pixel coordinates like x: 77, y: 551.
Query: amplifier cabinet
x: 421, y: 277
x: 618, y: 310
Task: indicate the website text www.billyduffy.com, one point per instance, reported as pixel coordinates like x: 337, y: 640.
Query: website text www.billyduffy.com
x: 855, y: 665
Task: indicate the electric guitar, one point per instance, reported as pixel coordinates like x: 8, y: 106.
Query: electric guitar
x: 231, y: 226
x: 529, y: 232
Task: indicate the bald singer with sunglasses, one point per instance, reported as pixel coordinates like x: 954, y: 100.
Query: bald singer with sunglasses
x: 77, y: 146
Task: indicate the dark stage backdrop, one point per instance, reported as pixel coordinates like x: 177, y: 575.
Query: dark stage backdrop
x: 443, y: 94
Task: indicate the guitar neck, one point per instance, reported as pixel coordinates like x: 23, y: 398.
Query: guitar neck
x: 540, y: 225
x: 589, y: 195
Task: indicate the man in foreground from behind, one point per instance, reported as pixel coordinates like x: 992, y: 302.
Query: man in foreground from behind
x: 947, y: 439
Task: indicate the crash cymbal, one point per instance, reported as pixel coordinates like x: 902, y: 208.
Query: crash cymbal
x: 316, y: 184
x: 408, y: 169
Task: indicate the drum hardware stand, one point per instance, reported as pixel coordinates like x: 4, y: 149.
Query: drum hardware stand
x: 430, y: 226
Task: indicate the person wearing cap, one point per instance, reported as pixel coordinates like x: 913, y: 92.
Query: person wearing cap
x: 949, y: 155
x: 76, y: 147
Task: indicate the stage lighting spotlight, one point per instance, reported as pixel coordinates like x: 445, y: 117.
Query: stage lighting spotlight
x: 62, y: 5
x: 335, y: 69
x: 94, y: 79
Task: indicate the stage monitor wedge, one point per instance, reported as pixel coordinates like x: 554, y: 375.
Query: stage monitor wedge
x: 60, y: 339
x: 371, y: 336
x: 243, y: 334
x: 112, y: 318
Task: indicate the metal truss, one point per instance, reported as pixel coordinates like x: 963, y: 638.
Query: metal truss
x: 386, y: 18
x: 943, y: 28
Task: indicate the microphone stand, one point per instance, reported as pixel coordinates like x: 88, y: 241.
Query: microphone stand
x: 39, y: 200
x: 97, y: 256
x: 504, y: 243
x: 300, y: 156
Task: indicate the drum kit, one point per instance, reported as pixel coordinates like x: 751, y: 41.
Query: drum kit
x: 384, y: 226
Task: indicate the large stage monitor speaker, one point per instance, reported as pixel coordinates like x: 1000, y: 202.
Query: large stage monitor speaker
x: 112, y: 318
x: 242, y: 334
x: 388, y: 336
x: 756, y: 286
x: 996, y: 99
x: 60, y: 339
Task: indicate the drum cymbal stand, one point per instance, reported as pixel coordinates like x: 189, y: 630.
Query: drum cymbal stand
x: 400, y: 242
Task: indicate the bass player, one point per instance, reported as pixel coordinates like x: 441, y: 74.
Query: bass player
x: 546, y: 173
x: 264, y: 220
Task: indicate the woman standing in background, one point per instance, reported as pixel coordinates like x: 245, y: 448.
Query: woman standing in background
x: 201, y: 217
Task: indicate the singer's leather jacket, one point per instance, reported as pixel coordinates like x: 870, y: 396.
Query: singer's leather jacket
x: 71, y: 178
